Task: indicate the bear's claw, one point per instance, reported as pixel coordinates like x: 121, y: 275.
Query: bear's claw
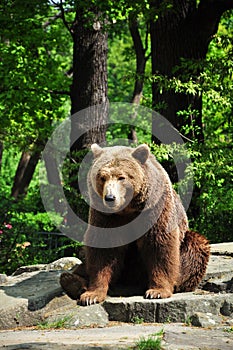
x: 93, y: 297
x: 157, y: 293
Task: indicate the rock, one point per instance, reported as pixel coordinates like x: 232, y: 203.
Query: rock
x: 219, y: 267
x: 230, y: 286
x: 28, y: 298
x: 229, y: 322
x: 22, y: 295
x: 15, y: 313
x: 123, y: 336
x: 179, y: 308
x: 31, y: 297
x: 222, y: 248
x: 217, y: 286
x: 38, y: 287
x: 226, y: 308
x: 29, y: 268
x: 64, y: 263
x: 76, y: 316
x: 3, y: 278
x: 200, y: 319
x: 94, y: 316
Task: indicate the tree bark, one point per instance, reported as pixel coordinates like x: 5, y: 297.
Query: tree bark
x: 184, y: 31
x: 54, y: 180
x: 89, y: 86
x: 1, y: 154
x: 24, y: 173
x: 141, y: 60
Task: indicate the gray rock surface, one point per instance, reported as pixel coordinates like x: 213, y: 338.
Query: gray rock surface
x: 222, y: 248
x: 179, y: 308
x: 76, y: 316
x: 201, y: 319
x: 35, y: 297
x: 220, y: 267
x: 24, y: 295
x: 60, y: 264
x: 124, y: 336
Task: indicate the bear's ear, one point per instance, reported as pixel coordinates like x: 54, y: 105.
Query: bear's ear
x: 96, y: 150
x: 141, y: 153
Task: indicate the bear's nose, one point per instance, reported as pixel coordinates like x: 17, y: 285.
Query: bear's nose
x: 109, y: 198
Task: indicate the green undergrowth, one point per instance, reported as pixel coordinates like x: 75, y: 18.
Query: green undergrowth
x: 57, y: 324
x: 152, y: 342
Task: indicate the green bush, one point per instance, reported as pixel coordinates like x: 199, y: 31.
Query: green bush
x: 28, y: 238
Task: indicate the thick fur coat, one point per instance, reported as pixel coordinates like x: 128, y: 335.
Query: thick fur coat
x: 138, y: 230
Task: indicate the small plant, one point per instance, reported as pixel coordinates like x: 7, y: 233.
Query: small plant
x: 229, y: 330
x: 137, y: 320
x: 188, y: 321
x: 60, y: 323
x: 153, y: 342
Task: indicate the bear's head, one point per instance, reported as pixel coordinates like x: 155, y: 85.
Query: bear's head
x: 117, y: 177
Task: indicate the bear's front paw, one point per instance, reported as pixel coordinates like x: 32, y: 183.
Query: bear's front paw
x: 158, y: 293
x: 71, y: 284
x: 92, y: 297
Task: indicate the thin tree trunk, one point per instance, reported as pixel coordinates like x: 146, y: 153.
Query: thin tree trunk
x: 55, y: 181
x: 89, y: 87
x: 141, y: 60
x: 24, y: 173
x: 23, y: 162
x: 1, y: 154
x: 183, y: 31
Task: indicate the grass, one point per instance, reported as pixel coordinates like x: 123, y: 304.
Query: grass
x: 229, y: 330
x: 137, y: 320
x: 153, y: 342
x: 60, y: 323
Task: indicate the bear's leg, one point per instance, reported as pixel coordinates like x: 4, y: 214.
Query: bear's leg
x: 161, y: 260
x: 103, y: 266
x: 194, y: 257
x: 74, y: 283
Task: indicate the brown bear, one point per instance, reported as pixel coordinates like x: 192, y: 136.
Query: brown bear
x: 137, y: 231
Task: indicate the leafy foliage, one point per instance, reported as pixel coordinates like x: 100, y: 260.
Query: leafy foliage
x: 32, y: 68
x: 36, y: 73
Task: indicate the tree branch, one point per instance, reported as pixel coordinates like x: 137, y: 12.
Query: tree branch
x: 209, y: 13
x: 55, y: 17
x: 146, y: 41
x: 137, y: 41
x: 219, y: 6
x: 205, y: 21
x: 52, y: 19
x: 62, y: 15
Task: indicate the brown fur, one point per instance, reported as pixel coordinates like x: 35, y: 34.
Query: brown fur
x: 167, y: 258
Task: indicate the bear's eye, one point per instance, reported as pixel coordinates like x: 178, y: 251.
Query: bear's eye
x: 102, y: 178
x: 121, y: 178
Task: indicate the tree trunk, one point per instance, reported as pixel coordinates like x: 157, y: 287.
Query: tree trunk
x: 24, y: 173
x: 183, y: 31
x: 1, y: 154
x: 89, y: 87
x: 54, y: 180
x: 141, y: 60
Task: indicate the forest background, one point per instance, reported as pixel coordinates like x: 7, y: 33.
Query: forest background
x: 57, y: 57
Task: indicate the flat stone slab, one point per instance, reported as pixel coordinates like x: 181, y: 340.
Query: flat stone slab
x: 37, y: 287
x: 28, y: 298
x: 222, y: 248
x: 219, y: 267
x: 75, y: 316
x: 179, y: 308
x: 124, y: 336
